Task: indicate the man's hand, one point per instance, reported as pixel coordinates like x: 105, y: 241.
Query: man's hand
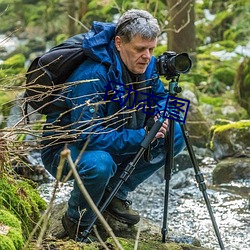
x: 164, y: 128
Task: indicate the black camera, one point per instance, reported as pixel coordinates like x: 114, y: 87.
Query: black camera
x: 171, y: 65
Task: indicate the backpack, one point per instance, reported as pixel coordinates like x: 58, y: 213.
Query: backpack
x: 47, y: 73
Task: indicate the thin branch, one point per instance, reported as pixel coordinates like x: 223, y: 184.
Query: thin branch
x: 99, y: 238
x: 46, y: 216
x: 137, y: 236
x: 77, y: 21
x: 67, y: 155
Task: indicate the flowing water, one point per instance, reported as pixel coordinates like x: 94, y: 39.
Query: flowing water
x: 187, y: 212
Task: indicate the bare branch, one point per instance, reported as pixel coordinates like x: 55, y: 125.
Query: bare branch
x: 66, y: 154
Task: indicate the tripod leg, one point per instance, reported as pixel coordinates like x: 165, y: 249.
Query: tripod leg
x: 200, y: 180
x: 168, y: 173
x: 127, y: 171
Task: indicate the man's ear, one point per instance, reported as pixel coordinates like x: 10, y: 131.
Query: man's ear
x: 118, y: 42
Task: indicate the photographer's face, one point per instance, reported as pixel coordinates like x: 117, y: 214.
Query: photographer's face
x: 137, y: 53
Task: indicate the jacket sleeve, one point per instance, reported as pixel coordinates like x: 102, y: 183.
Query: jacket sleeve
x: 89, y: 121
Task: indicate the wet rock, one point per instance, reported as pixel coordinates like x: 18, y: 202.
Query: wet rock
x: 181, y: 179
x: 197, y: 127
x: 149, y: 233
x: 231, y: 169
x: 30, y: 167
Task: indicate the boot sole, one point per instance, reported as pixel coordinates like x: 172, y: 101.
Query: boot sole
x: 121, y: 219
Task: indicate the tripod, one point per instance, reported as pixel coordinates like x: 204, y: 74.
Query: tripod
x: 173, y: 90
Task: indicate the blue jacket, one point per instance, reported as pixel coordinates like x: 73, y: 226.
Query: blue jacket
x: 89, y: 116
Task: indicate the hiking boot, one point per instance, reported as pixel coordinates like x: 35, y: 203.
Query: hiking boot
x: 75, y: 231
x: 121, y: 211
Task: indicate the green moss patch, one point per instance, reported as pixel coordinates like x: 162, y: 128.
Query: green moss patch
x: 128, y: 244
x: 22, y: 200
x: 10, y: 231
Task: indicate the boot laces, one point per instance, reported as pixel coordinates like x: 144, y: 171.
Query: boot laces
x: 127, y: 203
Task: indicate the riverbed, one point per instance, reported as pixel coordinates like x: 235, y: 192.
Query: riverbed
x: 187, y: 212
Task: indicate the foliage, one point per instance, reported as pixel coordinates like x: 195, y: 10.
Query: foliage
x: 228, y: 23
x: 12, y: 71
x: 242, y: 84
x: 222, y: 106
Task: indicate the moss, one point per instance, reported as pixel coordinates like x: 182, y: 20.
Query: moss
x: 13, y: 239
x: 128, y: 244
x: 21, y: 199
x: 235, y: 125
x: 160, y: 50
x: 9, y: 219
x: 60, y: 38
x: 6, y: 243
x: 16, y: 237
x: 229, y: 45
x: 220, y: 102
x: 214, y: 101
x: 225, y: 75
x: 13, y: 71
x: 16, y: 61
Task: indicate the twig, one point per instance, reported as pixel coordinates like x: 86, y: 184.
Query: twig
x: 66, y: 154
x: 137, y: 236
x: 99, y: 238
x: 77, y: 21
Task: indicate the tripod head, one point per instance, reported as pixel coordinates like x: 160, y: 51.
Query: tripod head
x: 174, y: 89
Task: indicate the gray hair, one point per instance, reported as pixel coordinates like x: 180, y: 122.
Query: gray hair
x: 137, y: 22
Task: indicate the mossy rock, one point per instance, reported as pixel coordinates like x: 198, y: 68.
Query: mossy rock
x: 231, y: 139
x: 21, y: 199
x: 221, y: 106
x: 150, y: 235
x: 11, y: 237
x: 128, y: 244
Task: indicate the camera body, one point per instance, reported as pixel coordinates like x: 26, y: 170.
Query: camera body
x: 171, y: 65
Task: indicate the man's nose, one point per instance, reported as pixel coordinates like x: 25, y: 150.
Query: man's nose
x: 146, y: 54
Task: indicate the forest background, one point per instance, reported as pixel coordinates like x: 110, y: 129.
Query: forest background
x: 214, y: 33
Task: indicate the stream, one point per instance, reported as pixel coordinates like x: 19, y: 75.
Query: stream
x: 187, y: 212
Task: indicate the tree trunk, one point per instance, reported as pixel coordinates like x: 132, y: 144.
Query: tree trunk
x: 83, y: 8
x: 181, y: 27
x: 71, y: 6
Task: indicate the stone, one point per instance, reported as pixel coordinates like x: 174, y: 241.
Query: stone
x: 230, y: 140
x: 197, y: 127
x: 231, y: 169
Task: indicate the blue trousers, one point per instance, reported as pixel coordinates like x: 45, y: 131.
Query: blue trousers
x: 100, y: 170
